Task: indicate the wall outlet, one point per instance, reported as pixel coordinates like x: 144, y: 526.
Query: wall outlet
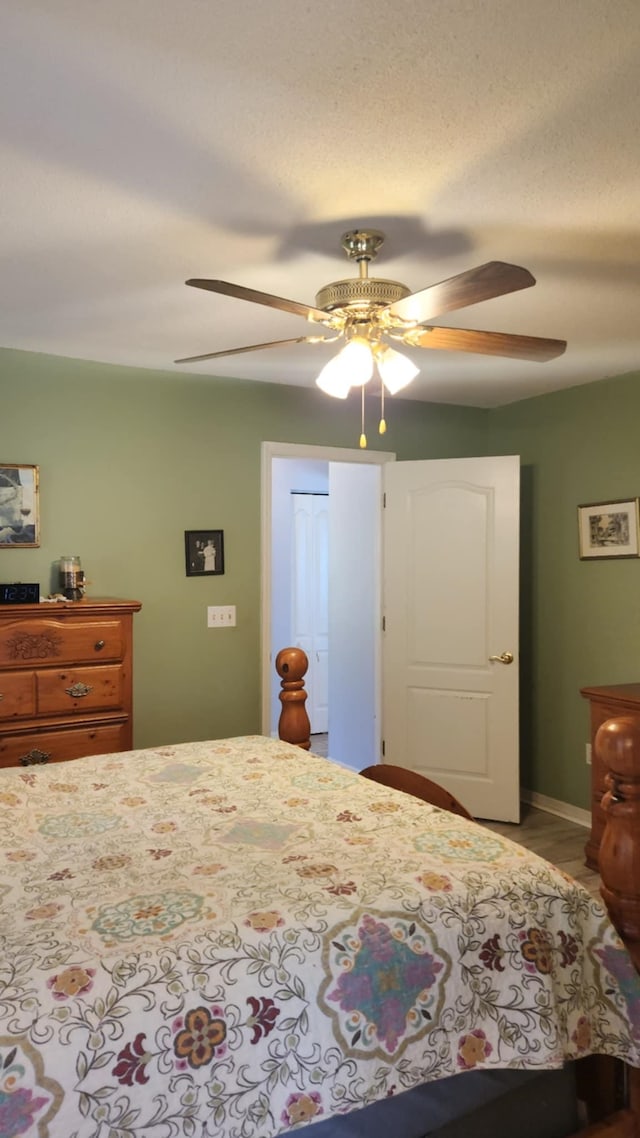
x: 587, y: 753
x: 221, y: 616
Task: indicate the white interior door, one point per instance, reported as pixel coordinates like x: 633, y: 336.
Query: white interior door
x: 450, y: 584
x: 310, y: 599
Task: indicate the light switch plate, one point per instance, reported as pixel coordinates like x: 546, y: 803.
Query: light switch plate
x: 221, y: 616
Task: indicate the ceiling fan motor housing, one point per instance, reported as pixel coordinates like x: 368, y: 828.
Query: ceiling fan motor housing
x: 360, y: 292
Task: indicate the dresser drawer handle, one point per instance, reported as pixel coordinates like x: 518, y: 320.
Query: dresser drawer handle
x: 34, y: 757
x: 78, y: 690
x: 1, y: 697
x: 99, y: 645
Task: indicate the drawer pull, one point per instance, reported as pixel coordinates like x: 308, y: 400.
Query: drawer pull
x: 99, y: 645
x: 34, y: 757
x: 1, y: 697
x: 78, y: 690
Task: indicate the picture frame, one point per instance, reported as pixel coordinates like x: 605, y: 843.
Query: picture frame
x: 204, y: 552
x: 19, y: 506
x: 609, y: 529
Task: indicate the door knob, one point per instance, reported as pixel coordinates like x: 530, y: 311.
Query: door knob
x: 503, y: 658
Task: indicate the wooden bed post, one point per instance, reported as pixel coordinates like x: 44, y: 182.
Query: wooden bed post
x: 293, y: 725
x: 618, y: 744
x: 617, y: 747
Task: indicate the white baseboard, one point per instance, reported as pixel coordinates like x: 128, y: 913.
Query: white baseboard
x: 555, y: 806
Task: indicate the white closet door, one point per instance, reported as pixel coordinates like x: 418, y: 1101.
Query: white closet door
x: 310, y: 594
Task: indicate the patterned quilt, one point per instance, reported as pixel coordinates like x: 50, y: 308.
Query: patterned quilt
x: 232, y: 938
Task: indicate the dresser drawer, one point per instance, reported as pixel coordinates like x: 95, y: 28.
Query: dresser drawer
x: 61, y: 691
x: 72, y: 640
x: 57, y: 746
x: 17, y: 695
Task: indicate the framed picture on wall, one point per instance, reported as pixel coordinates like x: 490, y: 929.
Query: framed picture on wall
x: 204, y: 552
x: 19, y: 517
x: 609, y: 529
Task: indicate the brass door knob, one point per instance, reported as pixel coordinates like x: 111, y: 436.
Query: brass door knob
x: 503, y: 658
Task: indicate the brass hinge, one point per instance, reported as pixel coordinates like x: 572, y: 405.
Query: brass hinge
x: 384, y: 624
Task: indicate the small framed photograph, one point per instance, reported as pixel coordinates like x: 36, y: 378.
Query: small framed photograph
x: 609, y: 529
x: 19, y: 517
x: 204, y: 552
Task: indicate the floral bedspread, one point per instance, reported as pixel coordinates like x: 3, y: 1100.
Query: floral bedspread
x: 234, y: 937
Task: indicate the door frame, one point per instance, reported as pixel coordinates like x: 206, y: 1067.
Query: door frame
x: 269, y: 451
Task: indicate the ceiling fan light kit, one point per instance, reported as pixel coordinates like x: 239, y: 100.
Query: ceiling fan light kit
x: 367, y: 312
x: 396, y: 370
x: 352, y: 367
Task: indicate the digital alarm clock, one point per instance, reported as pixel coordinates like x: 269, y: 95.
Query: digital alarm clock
x: 20, y: 593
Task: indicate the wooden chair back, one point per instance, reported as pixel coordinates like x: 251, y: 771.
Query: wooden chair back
x: 418, y: 785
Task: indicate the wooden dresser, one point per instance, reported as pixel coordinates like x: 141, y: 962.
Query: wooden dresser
x: 65, y: 680
x: 604, y: 703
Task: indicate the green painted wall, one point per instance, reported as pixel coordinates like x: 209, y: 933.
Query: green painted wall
x: 580, y: 619
x: 130, y: 459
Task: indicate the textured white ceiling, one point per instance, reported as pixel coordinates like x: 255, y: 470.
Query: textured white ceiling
x: 146, y: 141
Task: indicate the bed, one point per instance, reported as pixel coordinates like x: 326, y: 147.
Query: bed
x: 237, y: 938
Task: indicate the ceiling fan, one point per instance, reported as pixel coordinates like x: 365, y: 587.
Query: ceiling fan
x: 369, y: 312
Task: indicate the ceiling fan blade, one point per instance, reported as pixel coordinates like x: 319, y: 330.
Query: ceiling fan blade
x: 241, y: 293
x: 496, y: 278
x: 486, y: 343
x: 255, y: 348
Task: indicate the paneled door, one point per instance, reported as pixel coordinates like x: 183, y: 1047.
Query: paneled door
x: 450, y: 645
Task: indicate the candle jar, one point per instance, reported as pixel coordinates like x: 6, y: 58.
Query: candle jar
x: 71, y: 578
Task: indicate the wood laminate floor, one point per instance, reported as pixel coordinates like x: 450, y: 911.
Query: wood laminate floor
x: 553, y: 838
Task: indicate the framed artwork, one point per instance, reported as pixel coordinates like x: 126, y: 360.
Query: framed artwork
x: 609, y: 529
x: 204, y: 552
x: 19, y: 517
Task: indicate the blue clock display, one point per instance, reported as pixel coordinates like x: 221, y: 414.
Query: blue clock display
x: 20, y: 593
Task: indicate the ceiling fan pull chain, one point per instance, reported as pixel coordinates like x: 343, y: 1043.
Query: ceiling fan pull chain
x: 382, y: 426
x: 363, y: 437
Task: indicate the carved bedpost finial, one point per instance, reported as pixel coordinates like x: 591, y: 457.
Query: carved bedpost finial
x: 293, y: 725
x: 618, y: 745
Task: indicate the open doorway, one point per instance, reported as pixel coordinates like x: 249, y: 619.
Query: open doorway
x: 350, y: 483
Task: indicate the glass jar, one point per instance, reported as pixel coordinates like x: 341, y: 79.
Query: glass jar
x: 71, y: 577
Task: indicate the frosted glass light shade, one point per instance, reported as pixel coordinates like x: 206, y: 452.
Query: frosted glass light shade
x: 352, y: 367
x: 395, y: 369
